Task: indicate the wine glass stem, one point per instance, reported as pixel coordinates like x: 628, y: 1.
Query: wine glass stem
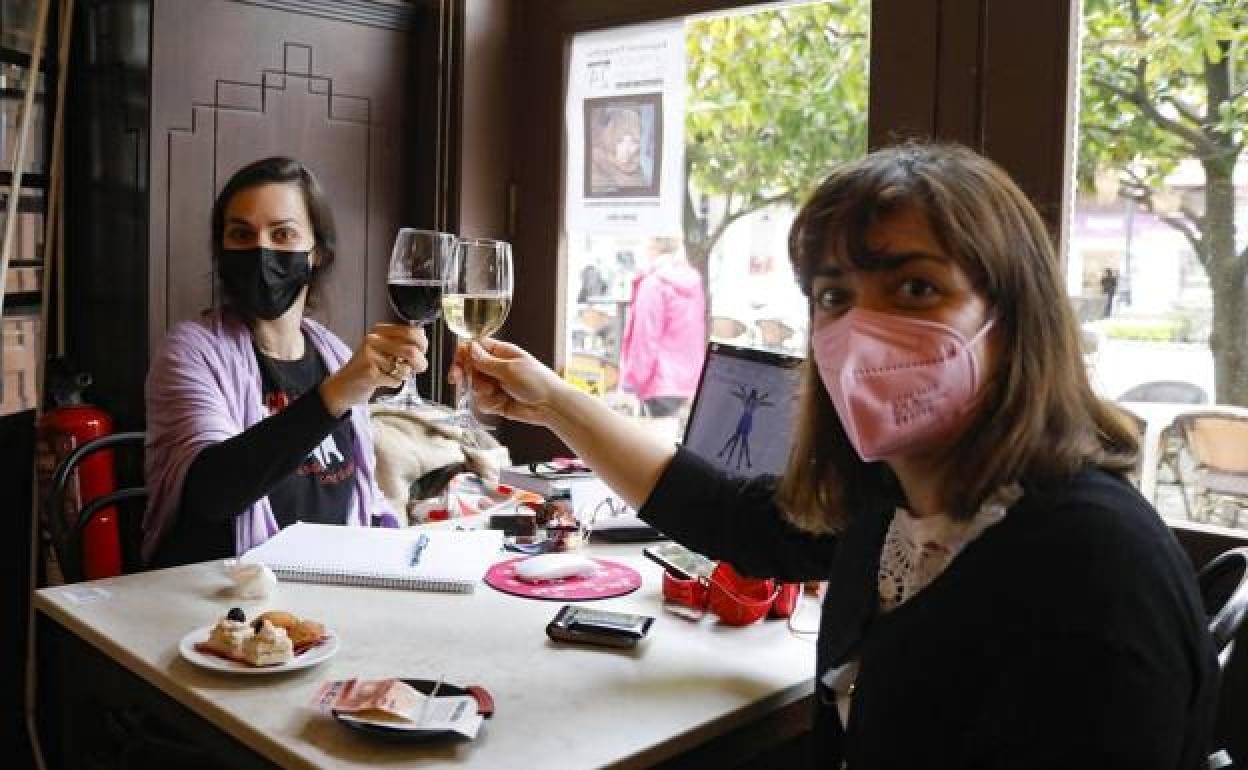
x: 409, y: 393
x: 464, y: 407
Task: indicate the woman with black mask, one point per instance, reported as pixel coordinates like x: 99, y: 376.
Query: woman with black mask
x: 251, y: 409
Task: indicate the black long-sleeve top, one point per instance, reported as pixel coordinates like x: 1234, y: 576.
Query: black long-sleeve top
x: 299, y: 456
x: 1069, y: 635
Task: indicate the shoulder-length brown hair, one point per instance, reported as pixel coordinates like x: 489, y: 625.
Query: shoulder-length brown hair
x: 280, y: 170
x: 1040, y: 419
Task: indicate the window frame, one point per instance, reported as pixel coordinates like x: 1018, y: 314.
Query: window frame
x: 976, y: 56
x: 995, y: 75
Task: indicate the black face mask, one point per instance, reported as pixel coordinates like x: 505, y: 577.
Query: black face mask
x: 263, y: 283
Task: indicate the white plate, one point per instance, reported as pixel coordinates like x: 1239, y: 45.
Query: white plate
x: 323, y: 651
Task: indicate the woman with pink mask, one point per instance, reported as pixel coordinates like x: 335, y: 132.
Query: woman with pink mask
x: 998, y: 595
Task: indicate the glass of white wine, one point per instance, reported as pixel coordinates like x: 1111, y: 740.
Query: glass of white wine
x: 476, y: 297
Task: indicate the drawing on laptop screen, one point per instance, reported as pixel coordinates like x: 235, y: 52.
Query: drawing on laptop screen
x: 742, y: 414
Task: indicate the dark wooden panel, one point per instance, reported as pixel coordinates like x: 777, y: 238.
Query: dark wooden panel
x: 434, y: 112
x: 106, y: 154
x: 184, y: 79
x: 180, y: 250
x: 905, y: 60
x: 93, y: 712
x: 957, y: 106
x: 537, y: 164
x: 325, y: 92
x: 487, y: 113
x: 433, y: 115
x: 392, y: 14
x: 337, y: 151
x: 17, y: 436
x: 1027, y: 101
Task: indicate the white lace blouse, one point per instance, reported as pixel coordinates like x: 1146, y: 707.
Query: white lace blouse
x: 916, y: 550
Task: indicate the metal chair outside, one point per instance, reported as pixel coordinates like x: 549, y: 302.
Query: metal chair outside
x: 1212, y: 466
x: 1168, y: 392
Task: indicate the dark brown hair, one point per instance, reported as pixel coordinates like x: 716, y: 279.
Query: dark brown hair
x: 1039, y: 418
x: 280, y: 170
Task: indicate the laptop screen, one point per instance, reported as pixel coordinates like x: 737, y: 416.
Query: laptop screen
x: 741, y: 418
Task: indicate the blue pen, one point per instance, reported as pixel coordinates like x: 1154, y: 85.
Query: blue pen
x: 418, y: 548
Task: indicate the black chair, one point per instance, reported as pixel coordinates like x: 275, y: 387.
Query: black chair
x: 1228, y: 727
x: 66, y: 531
x: 1224, y: 591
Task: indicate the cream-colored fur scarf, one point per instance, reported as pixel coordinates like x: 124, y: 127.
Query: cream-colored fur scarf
x: 413, y: 442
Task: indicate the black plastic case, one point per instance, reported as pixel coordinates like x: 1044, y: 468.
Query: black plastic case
x: 612, y: 629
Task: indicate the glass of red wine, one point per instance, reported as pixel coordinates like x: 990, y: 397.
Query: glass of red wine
x: 415, y: 287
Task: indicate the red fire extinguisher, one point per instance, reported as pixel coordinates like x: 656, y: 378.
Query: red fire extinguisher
x: 70, y: 424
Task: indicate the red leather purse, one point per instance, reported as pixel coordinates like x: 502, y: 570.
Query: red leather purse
x: 736, y: 600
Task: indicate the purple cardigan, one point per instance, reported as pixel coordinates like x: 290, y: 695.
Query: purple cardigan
x: 203, y: 388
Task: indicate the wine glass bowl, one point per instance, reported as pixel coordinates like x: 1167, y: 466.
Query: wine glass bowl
x: 414, y: 285
x: 475, y: 316
x: 414, y: 300
x: 476, y: 298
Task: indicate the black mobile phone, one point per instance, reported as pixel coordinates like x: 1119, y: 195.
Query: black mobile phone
x: 679, y: 560
x: 613, y: 629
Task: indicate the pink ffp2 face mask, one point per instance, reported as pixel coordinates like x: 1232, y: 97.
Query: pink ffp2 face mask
x: 897, y: 383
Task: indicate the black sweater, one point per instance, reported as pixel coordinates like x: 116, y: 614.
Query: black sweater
x: 1069, y: 635
x: 228, y: 476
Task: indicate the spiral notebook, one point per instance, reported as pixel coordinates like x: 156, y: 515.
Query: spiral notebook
x: 437, y: 560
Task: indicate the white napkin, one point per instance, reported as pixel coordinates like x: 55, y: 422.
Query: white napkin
x: 251, y: 581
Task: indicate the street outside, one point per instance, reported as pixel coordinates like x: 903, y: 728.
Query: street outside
x: 1118, y: 365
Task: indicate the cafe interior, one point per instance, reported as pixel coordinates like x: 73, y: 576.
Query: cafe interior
x: 539, y: 165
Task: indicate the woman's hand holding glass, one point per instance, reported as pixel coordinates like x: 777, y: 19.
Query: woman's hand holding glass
x: 476, y: 298
x: 507, y: 381
x: 388, y: 356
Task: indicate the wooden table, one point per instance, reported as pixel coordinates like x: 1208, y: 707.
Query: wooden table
x: 693, y: 686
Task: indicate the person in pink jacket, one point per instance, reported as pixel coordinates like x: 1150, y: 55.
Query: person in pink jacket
x: 665, y: 337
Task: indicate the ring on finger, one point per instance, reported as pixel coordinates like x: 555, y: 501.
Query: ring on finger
x: 397, y: 366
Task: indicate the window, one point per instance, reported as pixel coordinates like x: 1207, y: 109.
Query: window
x: 1156, y: 265
x: 689, y: 144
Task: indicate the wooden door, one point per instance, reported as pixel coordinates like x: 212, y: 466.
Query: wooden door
x: 234, y: 82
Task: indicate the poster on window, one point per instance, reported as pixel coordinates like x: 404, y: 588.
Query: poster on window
x: 625, y: 130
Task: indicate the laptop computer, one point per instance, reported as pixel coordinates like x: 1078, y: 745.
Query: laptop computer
x: 740, y: 420
x: 742, y: 413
